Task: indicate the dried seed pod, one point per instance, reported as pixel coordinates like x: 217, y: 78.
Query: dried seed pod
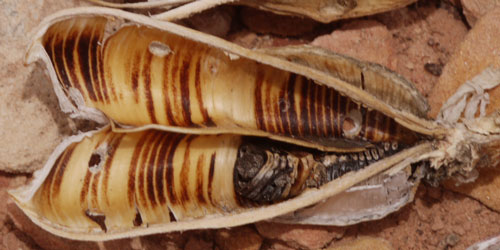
x: 110, y: 185
x: 169, y: 80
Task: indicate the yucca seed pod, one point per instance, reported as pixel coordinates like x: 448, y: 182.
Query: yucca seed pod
x: 142, y: 77
x: 104, y: 185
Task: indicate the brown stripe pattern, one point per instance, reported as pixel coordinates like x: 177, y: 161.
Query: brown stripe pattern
x: 315, y: 112
x: 188, y: 84
x: 147, y: 177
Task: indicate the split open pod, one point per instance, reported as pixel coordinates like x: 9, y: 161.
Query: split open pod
x: 207, y: 134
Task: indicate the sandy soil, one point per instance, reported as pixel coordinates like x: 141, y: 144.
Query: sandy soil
x: 416, y: 42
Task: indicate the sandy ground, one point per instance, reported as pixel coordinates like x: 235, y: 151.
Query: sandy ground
x: 416, y: 42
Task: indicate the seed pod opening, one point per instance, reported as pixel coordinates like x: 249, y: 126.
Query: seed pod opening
x: 154, y: 181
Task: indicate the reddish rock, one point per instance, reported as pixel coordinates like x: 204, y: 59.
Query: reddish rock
x: 479, y: 50
x: 475, y: 9
x: 240, y: 238
x: 425, y: 38
x: 197, y: 243
x: 216, y: 21
x: 279, y: 246
x: 366, y: 40
x: 300, y: 236
x: 47, y: 240
x: 362, y: 243
x: 270, y: 23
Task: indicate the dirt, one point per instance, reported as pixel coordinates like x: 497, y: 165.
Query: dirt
x: 416, y: 42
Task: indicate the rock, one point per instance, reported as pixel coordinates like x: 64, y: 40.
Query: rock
x: 12, y: 241
x: 434, y: 192
x: 270, y: 23
x: 31, y: 123
x: 479, y: 50
x: 43, y: 238
x: 424, y: 36
x: 484, y: 189
x: 196, y: 243
x: 240, y: 238
x: 437, y: 224
x: 475, y: 9
x: 366, y: 40
x: 300, y: 236
x: 216, y: 21
x: 280, y: 246
x: 362, y: 243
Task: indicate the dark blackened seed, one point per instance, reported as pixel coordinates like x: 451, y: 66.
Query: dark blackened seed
x: 97, y: 218
x: 304, y: 102
x: 146, y: 74
x: 211, y: 177
x: 259, y: 113
x: 136, y: 67
x: 83, y: 48
x: 138, y: 219
x: 184, y: 197
x: 184, y: 82
x: 199, y: 181
x: 207, y: 121
x: 374, y: 153
x: 172, y: 197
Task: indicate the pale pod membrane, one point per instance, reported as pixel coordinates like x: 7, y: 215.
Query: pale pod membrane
x: 370, y: 200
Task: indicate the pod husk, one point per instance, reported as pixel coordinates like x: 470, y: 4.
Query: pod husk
x: 24, y: 198
x: 381, y: 90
